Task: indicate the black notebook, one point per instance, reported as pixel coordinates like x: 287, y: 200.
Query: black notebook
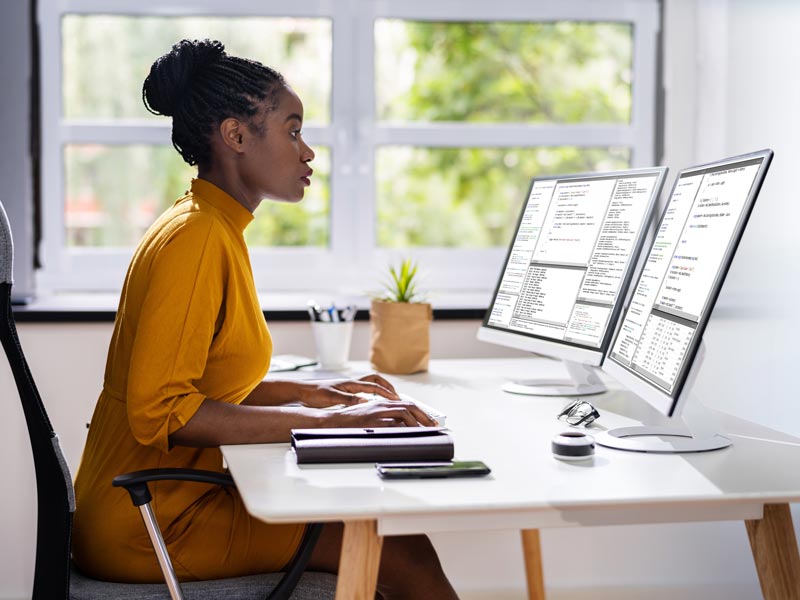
x: 340, y: 445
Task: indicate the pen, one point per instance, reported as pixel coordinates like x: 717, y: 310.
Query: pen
x: 314, y: 311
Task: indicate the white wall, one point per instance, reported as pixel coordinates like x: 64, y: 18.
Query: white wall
x: 732, y: 85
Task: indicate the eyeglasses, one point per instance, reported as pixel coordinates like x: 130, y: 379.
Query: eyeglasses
x: 579, y: 412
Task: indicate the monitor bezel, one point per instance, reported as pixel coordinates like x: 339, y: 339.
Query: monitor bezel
x: 559, y: 348
x: 670, y: 404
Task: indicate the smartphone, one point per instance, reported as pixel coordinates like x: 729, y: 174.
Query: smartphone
x: 458, y: 468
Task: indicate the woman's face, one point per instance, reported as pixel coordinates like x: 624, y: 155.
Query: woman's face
x: 275, y: 162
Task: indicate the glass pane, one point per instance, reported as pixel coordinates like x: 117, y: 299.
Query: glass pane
x: 556, y: 72
x: 114, y: 193
x: 468, y: 197
x: 106, y: 58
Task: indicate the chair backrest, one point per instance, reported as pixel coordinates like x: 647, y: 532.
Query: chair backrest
x: 55, y: 494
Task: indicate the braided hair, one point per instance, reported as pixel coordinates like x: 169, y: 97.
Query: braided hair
x: 199, y: 86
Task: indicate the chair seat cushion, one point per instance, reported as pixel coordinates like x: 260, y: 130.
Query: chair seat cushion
x: 312, y: 586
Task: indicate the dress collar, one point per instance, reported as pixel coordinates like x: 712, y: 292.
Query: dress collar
x: 223, y: 202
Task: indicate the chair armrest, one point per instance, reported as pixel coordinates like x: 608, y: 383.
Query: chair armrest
x: 136, y: 484
x: 136, y: 481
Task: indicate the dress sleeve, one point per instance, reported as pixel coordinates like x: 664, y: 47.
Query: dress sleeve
x: 176, y: 326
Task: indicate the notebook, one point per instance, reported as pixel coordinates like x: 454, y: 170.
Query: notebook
x: 372, y: 444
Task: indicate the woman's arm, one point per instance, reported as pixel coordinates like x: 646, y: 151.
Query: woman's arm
x: 274, y: 392
x: 216, y: 423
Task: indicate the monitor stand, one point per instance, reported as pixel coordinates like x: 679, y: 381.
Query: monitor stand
x: 583, y: 381
x: 663, y: 440
x: 698, y: 435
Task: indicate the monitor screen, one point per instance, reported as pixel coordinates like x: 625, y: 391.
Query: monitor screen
x: 690, y: 255
x: 571, y: 259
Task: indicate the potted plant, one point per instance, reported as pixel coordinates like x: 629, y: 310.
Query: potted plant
x: 400, y: 324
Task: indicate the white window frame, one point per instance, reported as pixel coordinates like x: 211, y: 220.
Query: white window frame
x: 351, y: 264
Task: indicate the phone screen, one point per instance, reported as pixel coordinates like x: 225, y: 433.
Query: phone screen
x: 462, y: 468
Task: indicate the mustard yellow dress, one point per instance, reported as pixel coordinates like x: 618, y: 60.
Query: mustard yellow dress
x: 189, y: 327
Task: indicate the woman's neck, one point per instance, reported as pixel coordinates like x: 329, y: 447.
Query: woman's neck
x: 231, y: 184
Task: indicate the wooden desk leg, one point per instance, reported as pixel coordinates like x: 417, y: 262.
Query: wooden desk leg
x: 774, y: 547
x: 359, y: 562
x: 534, y: 573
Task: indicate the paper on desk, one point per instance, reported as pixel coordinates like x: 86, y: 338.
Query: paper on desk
x: 310, y: 373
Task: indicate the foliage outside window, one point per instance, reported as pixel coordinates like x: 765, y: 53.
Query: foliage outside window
x: 467, y: 72
x: 563, y: 72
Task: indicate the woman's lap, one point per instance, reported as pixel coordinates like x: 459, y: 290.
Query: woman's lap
x: 218, y: 539
x: 213, y: 538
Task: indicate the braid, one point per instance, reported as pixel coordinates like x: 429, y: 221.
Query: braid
x: 199, y: 86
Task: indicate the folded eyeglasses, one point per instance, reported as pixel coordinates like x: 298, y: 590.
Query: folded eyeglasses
x: 579, y: 412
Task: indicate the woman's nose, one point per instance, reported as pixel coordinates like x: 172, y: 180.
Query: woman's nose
x: 308, y: 154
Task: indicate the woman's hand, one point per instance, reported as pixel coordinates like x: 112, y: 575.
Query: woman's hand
x: 379, y: 413
x: 333, y: 392
x: 385, y: 410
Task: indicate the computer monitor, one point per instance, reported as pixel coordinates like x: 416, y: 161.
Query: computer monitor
x: 657, y: 349
x: 567, y: 272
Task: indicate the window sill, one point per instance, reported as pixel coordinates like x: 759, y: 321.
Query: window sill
x: 102, y: 308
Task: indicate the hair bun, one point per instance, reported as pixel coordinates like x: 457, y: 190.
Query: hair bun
x: 171, y: 75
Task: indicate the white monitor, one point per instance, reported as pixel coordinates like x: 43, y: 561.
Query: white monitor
x: 568, y: 269
x: 658, y: 342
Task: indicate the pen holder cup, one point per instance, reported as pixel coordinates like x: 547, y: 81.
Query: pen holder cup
x: 332, y: 339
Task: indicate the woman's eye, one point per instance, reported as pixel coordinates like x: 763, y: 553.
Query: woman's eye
x: 295, y: 133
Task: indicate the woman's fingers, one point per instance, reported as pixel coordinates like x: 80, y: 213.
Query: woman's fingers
x: 402, y: 416
x: 392, y: 412
x: 377, y: 379
x: 385, y: 406
x: 368, y: 387
x: 421, y: 416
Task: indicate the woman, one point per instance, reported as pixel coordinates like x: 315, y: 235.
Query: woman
x: 190, y: 349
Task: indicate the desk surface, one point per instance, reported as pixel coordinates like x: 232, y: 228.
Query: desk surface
x: 528, y: 488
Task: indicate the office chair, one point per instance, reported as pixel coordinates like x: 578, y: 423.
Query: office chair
x: 55, y: 577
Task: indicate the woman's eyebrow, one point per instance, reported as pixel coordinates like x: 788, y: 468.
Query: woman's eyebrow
x: 294, y: 116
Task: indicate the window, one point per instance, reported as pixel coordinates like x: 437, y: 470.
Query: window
x: 428, y: 120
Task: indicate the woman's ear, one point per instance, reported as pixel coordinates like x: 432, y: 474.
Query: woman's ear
x: 231, y: 132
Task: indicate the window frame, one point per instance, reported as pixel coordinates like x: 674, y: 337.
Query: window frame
x: 352, y: 263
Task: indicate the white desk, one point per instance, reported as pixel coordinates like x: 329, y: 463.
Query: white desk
x: 529, y: 489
